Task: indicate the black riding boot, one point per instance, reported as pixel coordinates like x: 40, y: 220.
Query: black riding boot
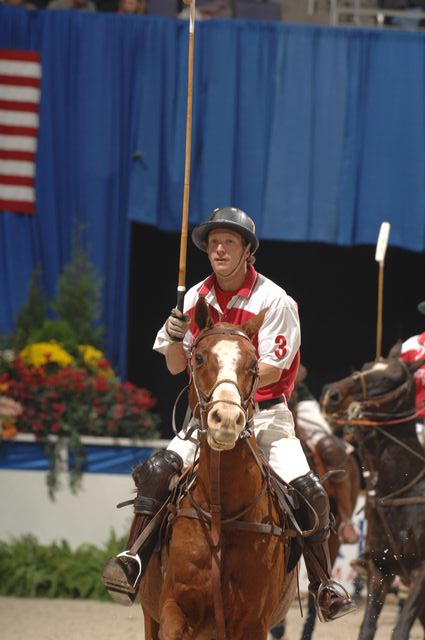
x: 122, y: 573
x: 331, y: 599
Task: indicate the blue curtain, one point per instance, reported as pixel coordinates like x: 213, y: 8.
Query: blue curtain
x: 316, y: 132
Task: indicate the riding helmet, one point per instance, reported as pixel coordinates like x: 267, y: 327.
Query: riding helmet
x: 421, y: 307
x: 226, y: 218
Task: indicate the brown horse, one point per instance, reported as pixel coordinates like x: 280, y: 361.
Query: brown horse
x: 352, y: 483
x: 379, y: 403
x: 223, y: 573
x: 350, y: 486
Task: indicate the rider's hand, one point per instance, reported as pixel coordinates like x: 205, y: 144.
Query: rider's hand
x: 176, y: 326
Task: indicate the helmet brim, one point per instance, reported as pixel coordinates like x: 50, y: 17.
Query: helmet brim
x: 200, y: 233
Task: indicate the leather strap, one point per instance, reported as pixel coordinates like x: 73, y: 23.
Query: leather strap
x: 149, y: 529
x: 215, y: 509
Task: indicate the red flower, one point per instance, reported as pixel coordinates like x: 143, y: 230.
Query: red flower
x: 119, y: 412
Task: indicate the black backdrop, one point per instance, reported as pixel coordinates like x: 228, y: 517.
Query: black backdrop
x: 336, y: 289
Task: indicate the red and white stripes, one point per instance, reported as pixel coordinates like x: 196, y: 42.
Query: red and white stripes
x: 20, y: 76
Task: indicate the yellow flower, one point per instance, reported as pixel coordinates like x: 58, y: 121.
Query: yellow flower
x: 41, y: 353
x: 96, y: 360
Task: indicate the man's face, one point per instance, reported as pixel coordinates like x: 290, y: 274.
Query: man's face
x: 225, y: 248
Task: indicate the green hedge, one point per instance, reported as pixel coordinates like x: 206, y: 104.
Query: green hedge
x: 32, y: 570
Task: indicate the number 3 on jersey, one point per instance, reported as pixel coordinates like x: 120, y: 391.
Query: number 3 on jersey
x: 280, y: 350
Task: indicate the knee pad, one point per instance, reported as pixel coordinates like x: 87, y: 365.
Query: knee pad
x: 312, y: 490
x: 152, y: 479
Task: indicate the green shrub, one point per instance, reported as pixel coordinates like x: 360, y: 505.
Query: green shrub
x: 31, y: 315
x: 32, y: 570
x: 58, y: 330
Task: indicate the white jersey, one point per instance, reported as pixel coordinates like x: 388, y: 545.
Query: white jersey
x: 279, y: 338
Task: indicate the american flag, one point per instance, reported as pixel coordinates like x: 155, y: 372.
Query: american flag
x: 20, y: 75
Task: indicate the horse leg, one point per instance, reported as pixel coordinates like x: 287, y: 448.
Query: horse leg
x: 422, y: 617
x: 310, y: 622
x: 377, y: 588
x: 173, y: 624
x: 413, y: 605
x: 343, y: 484
x: 151, y: 627
x: 252, y: 631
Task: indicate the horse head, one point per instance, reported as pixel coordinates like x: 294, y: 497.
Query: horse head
x: 224, y: 375
x: 380, y: 389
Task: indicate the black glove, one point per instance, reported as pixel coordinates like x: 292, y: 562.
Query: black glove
x: 176, y: 326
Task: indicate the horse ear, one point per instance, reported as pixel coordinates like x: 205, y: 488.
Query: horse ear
x: 252, y: 326
x: 395, y: 351
x: 203, y: 319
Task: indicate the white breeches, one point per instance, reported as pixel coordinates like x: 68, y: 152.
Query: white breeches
x: 275, y: 434
x: 311, y: 422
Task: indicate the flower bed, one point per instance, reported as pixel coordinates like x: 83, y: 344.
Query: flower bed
x: 69, y: 396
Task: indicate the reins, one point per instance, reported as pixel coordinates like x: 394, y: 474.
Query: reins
x: 357, y: 414
x: 206, y: 505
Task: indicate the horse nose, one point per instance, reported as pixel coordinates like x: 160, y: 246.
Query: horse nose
x: 225, y: 417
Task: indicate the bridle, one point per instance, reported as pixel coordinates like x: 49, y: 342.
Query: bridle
x: 204, y: 399
x: 363, y: 413
x: 212, y: 519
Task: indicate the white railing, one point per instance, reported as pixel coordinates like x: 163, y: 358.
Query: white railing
x: 101, y: 441
x: 375, y: 16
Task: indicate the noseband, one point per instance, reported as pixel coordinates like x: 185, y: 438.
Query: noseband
x: 204, y: 399
x: 363, y: 411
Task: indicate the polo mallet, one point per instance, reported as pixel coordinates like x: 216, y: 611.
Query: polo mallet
x: 381, y: 248
x: 181, y: 287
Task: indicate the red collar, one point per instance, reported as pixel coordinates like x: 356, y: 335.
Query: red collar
x: 245, y: 290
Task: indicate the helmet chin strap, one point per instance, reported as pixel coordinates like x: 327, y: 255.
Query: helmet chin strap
x: 236, y: 269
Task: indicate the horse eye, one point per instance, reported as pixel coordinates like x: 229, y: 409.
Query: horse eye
x: 199, y: 359
x: 253, y: 367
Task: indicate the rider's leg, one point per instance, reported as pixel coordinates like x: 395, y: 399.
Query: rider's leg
x: 331, y: 599
x: 121, y: 574
x: 333, y: 455
x: 275, y: 433
x: 312, y: 426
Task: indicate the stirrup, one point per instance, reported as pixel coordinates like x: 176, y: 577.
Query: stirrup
x: 340, y: 591
x: 118, y: 578
x: 127, y: 554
